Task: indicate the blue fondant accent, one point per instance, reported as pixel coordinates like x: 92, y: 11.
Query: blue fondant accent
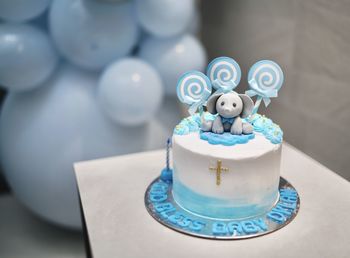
x: 260, y: 223
x: 158, y: 192
x: 184, y: 223
x: 227, y: 120
x: 219, y: 228
x: 285, y: 206
x: 160, y: 185
x: 285, y: 212
x: 159, y: 207
x: 167, y: 213
x: 288, y: 198
x: 181, y: 220
x: 166, y: 175
x: 158, y: 197
x: 276, y: 216
x: 249, y: 227
x: 235, y: 228
x: 158, y: 189
x: 176, y: 217
x: 288, y: 206
x: 289, y: 192
x: 197, y: 225
x: 226, y: 139
x: 219, y: 208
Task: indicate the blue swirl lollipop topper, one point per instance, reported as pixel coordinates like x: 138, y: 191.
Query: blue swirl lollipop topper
x: 194, y: 88
x: 265, y: 78
x: 224, y: 73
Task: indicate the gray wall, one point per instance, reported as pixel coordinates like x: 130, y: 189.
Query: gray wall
x: 311, y: 41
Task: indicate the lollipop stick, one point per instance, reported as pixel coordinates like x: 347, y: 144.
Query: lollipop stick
x: 257, y: 104
x: 200, y: 110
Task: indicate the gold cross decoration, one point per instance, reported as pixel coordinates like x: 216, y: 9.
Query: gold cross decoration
x: 218, y: 169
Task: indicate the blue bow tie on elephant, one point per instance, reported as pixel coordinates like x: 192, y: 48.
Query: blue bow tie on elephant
x: 229, y: 106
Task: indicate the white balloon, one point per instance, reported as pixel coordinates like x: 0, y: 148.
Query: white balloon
x: 43, y: 132
x: 174, y: 56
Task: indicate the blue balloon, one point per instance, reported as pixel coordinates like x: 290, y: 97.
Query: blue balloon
x: 43, y: 132
x: 165, y: 18
x: 22, y: 10
x: 173, y: 57
x: 27, y: 56
x: 92, y: 34
x: 130, y: 91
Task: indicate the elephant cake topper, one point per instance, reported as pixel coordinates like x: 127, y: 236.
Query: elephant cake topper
x: 194, y: 88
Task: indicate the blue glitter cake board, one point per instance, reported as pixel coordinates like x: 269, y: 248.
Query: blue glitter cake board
x: 161, y: 206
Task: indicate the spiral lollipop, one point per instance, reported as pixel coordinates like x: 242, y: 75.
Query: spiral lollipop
x: 193, y: 89
x: 265, y: 78
x: 224, y: 73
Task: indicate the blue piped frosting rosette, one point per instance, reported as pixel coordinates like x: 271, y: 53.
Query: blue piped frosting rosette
x: 265, y: 126
x: 275, y: 135
x: 188, y: 125
x: 192, y: 123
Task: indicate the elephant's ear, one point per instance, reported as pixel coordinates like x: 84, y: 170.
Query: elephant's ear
x: 248, y: 105
x: 211, y: 103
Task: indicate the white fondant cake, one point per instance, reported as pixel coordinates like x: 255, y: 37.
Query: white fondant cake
x: 248, y: 188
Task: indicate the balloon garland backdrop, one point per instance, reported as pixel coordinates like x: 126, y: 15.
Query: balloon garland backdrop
x: 84, y: 78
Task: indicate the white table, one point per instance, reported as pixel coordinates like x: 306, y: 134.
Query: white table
x: 118, y: 225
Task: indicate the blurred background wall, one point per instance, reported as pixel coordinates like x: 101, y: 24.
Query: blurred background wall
x: 311, y: 41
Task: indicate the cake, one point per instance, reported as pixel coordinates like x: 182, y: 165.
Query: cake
x: 219, y: 181
x: 225, y: 179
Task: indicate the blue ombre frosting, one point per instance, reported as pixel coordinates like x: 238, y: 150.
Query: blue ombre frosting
x: 160, y: 197
x: 261, y: 124
x: 219, y: 208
